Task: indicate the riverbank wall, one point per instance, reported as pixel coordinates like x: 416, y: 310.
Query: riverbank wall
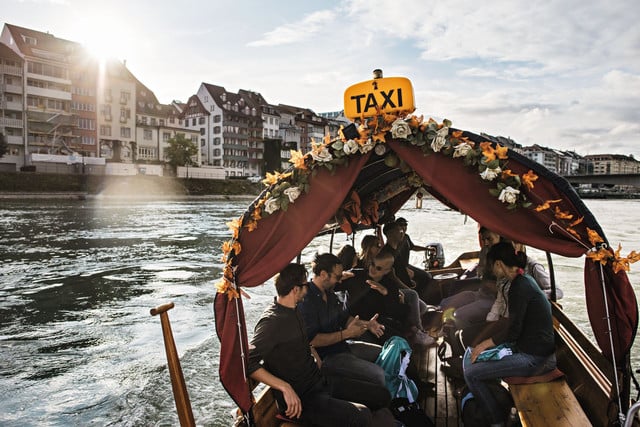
x: 40, y: 184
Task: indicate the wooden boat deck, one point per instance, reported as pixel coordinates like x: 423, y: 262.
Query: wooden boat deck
x: 441, y: 405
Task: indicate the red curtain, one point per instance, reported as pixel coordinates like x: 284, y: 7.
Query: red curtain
x: 462, y: 187
x: 278, y: 239
x: 621, y: 304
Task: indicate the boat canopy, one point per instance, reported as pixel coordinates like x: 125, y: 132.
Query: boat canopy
x: 367, y: 173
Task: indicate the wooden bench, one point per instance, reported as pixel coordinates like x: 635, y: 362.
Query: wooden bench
x: 546, y: 400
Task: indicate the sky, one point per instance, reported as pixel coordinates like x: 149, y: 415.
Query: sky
x: 559, y: 73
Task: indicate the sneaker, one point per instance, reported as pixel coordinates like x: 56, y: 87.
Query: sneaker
x: 422, y: 339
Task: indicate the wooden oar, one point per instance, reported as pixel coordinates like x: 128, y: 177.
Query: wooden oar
x: 183, y: 405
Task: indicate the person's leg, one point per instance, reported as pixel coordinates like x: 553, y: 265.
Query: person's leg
x: 322, y: 409
x: 472, y: 313
x: 411, y: 300
x: 365, y: 350
x: 458, y: 300
x: 356, y: 380
x: 477, y: 375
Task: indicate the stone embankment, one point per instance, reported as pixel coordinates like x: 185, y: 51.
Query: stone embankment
x: 24, y: 184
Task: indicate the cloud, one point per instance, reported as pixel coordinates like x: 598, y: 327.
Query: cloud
x: 296, y: 32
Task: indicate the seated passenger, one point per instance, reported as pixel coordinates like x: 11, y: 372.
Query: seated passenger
x: 348, y: 365
x: 376, y: 291
x: 369, y: 248
x: 289, y: 367
x: 529, y: 335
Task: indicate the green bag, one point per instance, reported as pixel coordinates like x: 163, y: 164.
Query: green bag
x: 394, y: 359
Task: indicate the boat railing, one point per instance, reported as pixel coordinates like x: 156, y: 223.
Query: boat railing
x: 631, y: 414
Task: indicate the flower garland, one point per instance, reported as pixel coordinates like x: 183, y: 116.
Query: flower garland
x: 284, y: 188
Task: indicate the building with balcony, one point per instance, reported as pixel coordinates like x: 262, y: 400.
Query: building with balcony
x: 48, y: 118
x: 311, y: 126
x: 11, y: 108
x: 234, y: 125
x: 611, y: 164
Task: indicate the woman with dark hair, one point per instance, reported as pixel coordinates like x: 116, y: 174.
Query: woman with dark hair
x: 526, y: 347
x: 369, y: 248
x: 348, y: 257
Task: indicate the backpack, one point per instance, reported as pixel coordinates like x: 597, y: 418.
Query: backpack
x: 473, y: 414
x: 394, y: 359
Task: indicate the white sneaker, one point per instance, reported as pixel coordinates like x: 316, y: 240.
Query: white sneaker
x: 422, y: 339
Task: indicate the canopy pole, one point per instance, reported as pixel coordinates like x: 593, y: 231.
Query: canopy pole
x: 621, y: 416
x: 552, y: 277
x: 333, y: 234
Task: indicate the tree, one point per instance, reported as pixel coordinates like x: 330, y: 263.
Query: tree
x: 4, y: 147
x: 180, y: 151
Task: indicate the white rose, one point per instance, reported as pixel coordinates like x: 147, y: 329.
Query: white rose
x: 350, y: 147
x: 490, y: 174
x: 323, y: 156
x: 400, y: 129
x: 440, y: 139
x: 292, y: 193
x: 271, y: 205
x: 509, y: 195
x: 367, y: 147
x: 461, y: 150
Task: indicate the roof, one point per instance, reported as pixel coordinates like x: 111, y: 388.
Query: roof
x: 226, y: 100
x: 44, y: 42
x: 7, y: 52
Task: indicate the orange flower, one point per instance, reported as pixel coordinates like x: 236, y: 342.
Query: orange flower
x: 576, y: 222
x: 573, y: 232
x: 594, y: 237
x: 414, y: 121
x: 389, y: 118
x: 488, y: 151
x: 456, y: 134
x: 273, y: 178
x: 546, y: 205
x: 231, y: 245
x: 234, y: 226
x: 256, y: 215
x: 562, y: 214
x: 507, y: 173
x: 297, y: 158
x: 501, y: 152
x: 601, y: 256
x: 379, y: 137
x: 251, y: 225
x: 528, y: 179
x: 327, y: 139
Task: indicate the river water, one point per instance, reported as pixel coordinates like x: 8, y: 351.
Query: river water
x: 77, y: 343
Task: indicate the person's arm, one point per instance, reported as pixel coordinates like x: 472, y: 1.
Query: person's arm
x: 294, y: 405
x: 355, y: 328
x: 541, y: 276
x: 415, y: 247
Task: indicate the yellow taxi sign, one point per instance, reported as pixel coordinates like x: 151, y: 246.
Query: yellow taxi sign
x: 389, y: 94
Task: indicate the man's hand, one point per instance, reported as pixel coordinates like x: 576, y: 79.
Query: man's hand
x: 377, y: 286
x: 294, y: 405
x: 374, y: 327
x: 355, y: 328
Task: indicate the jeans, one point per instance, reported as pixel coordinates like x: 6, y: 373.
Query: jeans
x: 477, y: 374
x: 320, y: 408
x: 416, y: 307
x: 356, y: 380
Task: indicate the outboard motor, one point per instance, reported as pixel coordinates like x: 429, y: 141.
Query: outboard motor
x: 434, y: 256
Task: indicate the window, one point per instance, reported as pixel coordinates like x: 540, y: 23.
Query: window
x: 201, y: 121
x: 216, y: 129
x: 124, y: 97
x: 202, y: 131
x: 88, y: 140
x: 216, y: 152
x: 217, y: 118
x: 86, y: 124
x: 166, y: 136
x: 216, y: 141
x: 105, y: 130
x: 161, y: 122
x: 125, y: 132
x: 193, y: 121
x: 153, y: 121
x: 202, y: 142
x: 147, y: 134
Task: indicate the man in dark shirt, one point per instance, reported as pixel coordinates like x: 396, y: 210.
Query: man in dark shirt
x: 348, y: 365
x: 289, y: 367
